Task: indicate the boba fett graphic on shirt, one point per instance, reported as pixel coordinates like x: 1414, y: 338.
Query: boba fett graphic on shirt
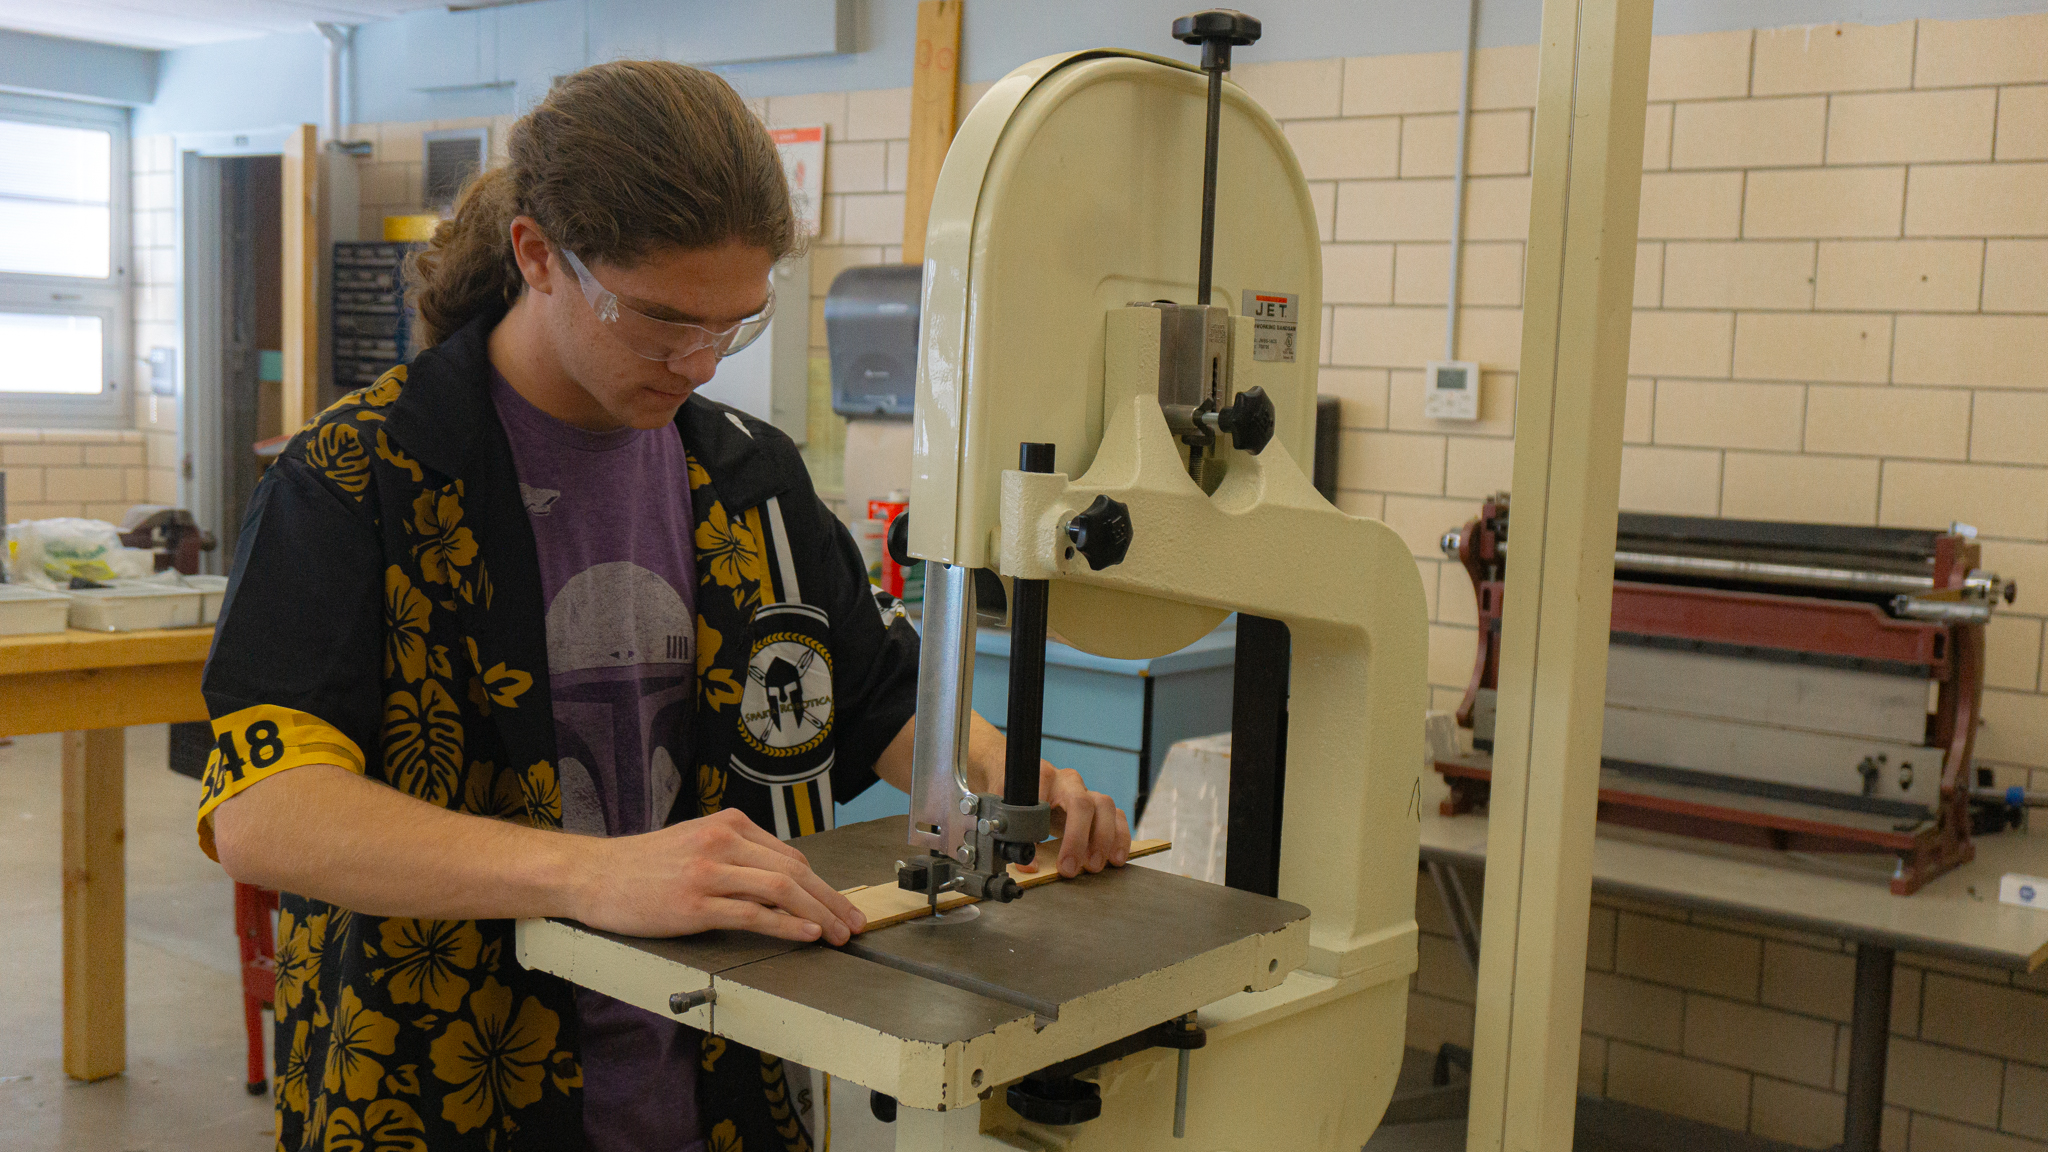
x: 621, y: 650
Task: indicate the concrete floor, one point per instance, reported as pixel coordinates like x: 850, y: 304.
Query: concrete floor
x: 183, y: 1091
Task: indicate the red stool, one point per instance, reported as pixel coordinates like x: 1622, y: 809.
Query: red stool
x: 253, y: 907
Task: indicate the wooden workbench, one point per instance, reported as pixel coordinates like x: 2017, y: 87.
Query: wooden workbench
x: 91, y: 686
x: 1956, y: 915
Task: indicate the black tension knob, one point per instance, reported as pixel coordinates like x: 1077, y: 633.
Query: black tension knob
x: 1102, y: 532
x: 1249, y: 420
x: 1217, y: 31
x: 899, y: 540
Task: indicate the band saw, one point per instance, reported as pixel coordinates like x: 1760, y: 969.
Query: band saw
x: 1115, y: 411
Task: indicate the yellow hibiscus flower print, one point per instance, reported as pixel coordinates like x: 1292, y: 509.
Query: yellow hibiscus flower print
x: 487, y: 791
x: 543, y: 795
x: 296, y: 1069
x: 406, y: 611
x: 776, y: 1088
x: 727, y: 549
x: 497, y: 685
x: 300, y: 944
x: 710, y: 789
x: 337, y: 453
x: 423, y: 742
x: 725, y: 1137
x: 715, y: 685
x: 397, y: 459
x: 496, y: 1061
x: 428, y: 958
x: 384, y: 1126
x: 378, y: 395
x: 565, y: 1072
x: 360, y: 1035
x: 698, y: 477
x: 445, y: 546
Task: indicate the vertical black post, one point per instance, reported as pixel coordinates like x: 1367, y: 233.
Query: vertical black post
x: 1027, y: 667
x: 1209, y: 53
x: 1258, y: 754
x: 1217, y: 30
x: 1870, y: 1033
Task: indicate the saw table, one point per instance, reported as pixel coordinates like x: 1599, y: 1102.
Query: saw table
x: 936, y: 1012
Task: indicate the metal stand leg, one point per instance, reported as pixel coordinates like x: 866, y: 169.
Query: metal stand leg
x: 1870, y: 1028
x: 1450, y: 888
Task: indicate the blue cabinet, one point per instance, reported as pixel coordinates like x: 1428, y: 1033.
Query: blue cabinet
x: 1110, y: 720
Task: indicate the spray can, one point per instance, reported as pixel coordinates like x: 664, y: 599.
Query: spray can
x: 906, y: 583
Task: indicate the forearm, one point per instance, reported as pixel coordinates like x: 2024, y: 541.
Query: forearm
x: 986, y: 750
x: 324, y: 832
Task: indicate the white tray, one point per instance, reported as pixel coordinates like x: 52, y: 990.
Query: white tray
x: 214, y: 589
x: 26, y: 611
x: 135, y: 608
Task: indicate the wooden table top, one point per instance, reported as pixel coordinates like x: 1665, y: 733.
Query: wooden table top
x: 75, y: 649
x: 1956, y: 915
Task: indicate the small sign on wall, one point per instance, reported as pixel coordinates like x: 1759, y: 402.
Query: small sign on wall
x: 803, y: 161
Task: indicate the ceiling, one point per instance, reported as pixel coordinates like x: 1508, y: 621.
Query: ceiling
x: 178, y: 23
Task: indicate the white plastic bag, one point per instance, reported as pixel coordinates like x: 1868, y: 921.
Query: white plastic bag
x: 48, y: 553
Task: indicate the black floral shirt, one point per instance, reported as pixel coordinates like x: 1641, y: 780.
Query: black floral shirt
x: 386, y: 616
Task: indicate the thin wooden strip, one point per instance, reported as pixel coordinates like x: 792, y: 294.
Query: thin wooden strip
x: 934, y: 114
x: 885, y: 904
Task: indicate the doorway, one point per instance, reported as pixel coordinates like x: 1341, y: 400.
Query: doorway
x: 251, y: 328
x: 233, y: 231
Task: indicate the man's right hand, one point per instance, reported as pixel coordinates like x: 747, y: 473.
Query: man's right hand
x: 324, y: 832
x: 720, y: 871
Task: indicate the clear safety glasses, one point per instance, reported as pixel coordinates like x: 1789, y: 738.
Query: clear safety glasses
x: 653, y: 339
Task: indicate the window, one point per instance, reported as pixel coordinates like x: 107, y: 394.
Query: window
x: 63, y: 263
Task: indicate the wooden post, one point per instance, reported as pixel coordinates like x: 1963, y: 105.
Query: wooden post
x: 301, y: 236
x: 1592, y: 82
x: 95, y: 904
x: 934, y: 113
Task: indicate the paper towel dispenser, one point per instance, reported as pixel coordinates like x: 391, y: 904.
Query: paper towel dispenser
x: 871, y: 331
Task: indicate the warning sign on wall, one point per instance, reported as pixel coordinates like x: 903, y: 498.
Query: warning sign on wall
x: 803, y: 161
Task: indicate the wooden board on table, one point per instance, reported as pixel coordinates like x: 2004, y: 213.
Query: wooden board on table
x: 886, y: 904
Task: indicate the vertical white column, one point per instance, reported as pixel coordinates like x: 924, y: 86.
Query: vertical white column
x: 1591, y: 87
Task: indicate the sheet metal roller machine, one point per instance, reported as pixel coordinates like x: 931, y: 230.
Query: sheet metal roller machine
x: 1806, y: 687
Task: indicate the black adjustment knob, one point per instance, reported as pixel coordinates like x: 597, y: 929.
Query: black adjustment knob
x: 883, y: 1107
x: 1217, y: 30
x: 899, y: 540
x: 1249, y: 420
x: 1063, y: 1101
x: 1102, y: 532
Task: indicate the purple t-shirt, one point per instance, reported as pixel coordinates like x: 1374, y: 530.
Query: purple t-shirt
x: 611, y: 519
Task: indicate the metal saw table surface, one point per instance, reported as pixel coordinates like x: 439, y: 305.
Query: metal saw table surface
x: 1072, y: 965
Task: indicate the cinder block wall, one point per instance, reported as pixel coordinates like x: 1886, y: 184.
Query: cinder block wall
x: 1841, y: 294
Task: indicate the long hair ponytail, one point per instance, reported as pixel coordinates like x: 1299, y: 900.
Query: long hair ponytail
x: 620, y: 159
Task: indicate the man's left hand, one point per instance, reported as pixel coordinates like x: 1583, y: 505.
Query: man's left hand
x: 1092, y: 831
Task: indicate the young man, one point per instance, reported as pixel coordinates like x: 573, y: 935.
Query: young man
x: 526, y: 629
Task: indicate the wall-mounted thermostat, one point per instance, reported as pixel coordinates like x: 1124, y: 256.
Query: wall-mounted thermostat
x: 1451, y: 390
